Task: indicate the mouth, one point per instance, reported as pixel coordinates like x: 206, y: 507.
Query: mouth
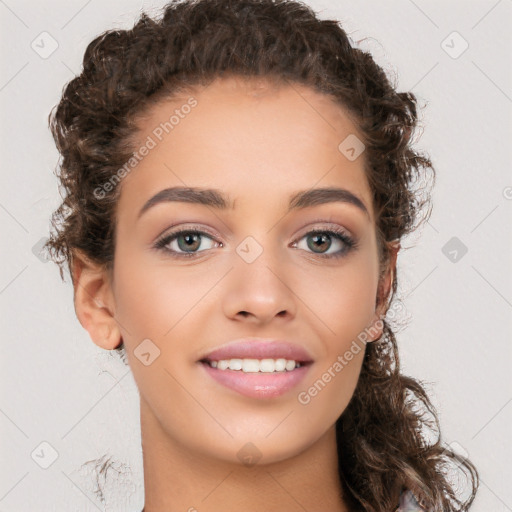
x: 255, y: 365
x: 256, y: 368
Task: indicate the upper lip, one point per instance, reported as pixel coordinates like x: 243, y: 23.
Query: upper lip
x: 259, y: 348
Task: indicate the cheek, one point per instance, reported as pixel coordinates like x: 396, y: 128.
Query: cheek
x: 345, y: 304
x: 151, y: 297
x: 155, y: 302
x: 343, y: 299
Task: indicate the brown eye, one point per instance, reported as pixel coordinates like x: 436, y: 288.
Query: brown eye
x: 184, y: 243
x: 321, y: 241
x: 189, y: 241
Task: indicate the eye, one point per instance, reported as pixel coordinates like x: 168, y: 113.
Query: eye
x: 187, y: 243
x: 326, y: 239
x: 184, y: 243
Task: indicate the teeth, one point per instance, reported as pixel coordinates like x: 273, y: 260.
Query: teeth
x: 290, y: 365
x: 256, y: 365
x: 248, y: 365
x: 223, y: 365
x: 280, y: 365
x: 267, y: 365
x: 236, y: 364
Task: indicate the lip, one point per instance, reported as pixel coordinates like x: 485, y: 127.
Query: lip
x: 259, y: 348
x: 259, y: 385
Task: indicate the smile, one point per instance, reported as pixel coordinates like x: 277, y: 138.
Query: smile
x: 254, y: 378
x: 255, y: 365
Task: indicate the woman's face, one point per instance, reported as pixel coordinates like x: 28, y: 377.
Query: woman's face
x: 256, y: 270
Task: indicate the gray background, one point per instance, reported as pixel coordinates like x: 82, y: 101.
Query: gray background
x: 60, y: 388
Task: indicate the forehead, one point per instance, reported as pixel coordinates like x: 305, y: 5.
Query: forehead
x: 252, y: 138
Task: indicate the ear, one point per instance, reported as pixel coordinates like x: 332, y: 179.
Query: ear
x: 94, y: 302
x: 384, y: 289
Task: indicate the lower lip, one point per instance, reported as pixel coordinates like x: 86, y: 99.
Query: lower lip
x: 258, y: 385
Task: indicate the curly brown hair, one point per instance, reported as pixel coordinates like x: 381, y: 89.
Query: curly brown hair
x: 382, y: 445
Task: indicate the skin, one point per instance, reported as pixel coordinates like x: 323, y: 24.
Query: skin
x: 259, y: 145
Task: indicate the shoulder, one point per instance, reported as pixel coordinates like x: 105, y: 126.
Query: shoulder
x: 408, y: 503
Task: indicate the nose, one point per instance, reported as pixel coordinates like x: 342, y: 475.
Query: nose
x: 260, y: 291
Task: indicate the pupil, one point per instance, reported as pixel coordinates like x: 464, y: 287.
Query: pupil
x: 187, y: 239
x: 316, y: 237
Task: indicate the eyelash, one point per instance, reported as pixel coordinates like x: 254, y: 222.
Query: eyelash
x: 339, y: 234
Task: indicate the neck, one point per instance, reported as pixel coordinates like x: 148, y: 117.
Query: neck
x: 176, y: 479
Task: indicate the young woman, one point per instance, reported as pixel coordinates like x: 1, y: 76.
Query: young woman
x: 238, y: 179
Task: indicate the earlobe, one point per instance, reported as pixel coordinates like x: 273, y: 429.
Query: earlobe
x: 94, y: 303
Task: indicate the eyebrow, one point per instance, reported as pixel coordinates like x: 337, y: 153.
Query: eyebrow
x: 218, y: 200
